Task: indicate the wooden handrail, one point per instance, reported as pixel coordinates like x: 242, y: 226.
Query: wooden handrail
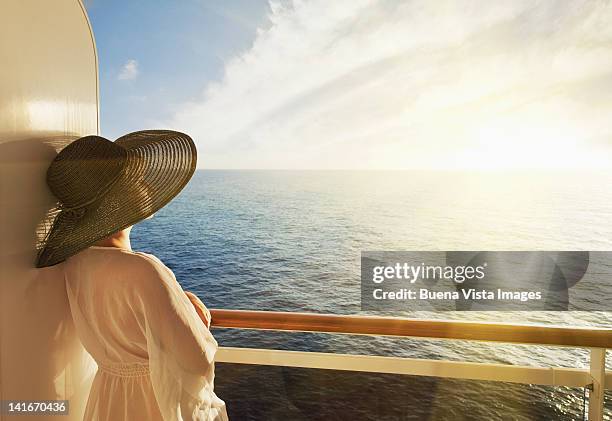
x: 418, y: 328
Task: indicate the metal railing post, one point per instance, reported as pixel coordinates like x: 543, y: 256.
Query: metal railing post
x: 598, y: 377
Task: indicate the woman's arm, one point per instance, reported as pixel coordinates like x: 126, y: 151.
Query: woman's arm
x: 180, y: 346
x: 200, y: 308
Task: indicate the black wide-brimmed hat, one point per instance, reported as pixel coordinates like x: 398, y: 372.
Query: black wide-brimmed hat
x: 103, y: 187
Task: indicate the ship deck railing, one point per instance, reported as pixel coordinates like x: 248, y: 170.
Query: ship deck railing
x: 596, y: 340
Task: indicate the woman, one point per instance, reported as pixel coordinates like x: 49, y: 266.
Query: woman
x: 150, y: 339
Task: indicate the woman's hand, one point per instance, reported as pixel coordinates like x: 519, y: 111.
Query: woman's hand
x: 199, y: 307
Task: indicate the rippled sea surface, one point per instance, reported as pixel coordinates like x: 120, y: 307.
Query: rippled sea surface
x: 291, y: 241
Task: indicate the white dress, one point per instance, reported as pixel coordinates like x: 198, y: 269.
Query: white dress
x: 155, y: 356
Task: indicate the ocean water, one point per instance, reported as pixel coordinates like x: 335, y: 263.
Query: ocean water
x: 291, y: 241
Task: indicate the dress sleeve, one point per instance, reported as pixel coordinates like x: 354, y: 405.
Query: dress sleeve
x: 181, y: 349
x: 201, y: 309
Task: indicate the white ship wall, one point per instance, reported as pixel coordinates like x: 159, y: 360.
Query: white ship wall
x: 48, y: 96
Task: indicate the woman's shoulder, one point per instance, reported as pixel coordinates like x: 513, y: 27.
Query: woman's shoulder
x: 119, y: 254
x: 147, y: 258
x: 152, y: 262
x: 130, y: 261
x: 156, y: 279
x: 153, y: 269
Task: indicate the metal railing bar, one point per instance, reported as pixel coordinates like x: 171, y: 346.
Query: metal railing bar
x: 584, y: 337
x: 547, y: 376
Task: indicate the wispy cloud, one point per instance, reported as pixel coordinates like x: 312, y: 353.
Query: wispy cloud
x: 418, y: 84
x: 129, y: 70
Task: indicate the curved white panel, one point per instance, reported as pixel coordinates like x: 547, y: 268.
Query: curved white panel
x: 48, y: 96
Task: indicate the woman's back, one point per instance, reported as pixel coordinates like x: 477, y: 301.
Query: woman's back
x: 155, y: 355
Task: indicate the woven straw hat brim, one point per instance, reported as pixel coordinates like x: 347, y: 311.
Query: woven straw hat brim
x: 159, y: 164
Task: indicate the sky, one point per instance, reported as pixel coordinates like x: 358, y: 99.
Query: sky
x: 319, y: 84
